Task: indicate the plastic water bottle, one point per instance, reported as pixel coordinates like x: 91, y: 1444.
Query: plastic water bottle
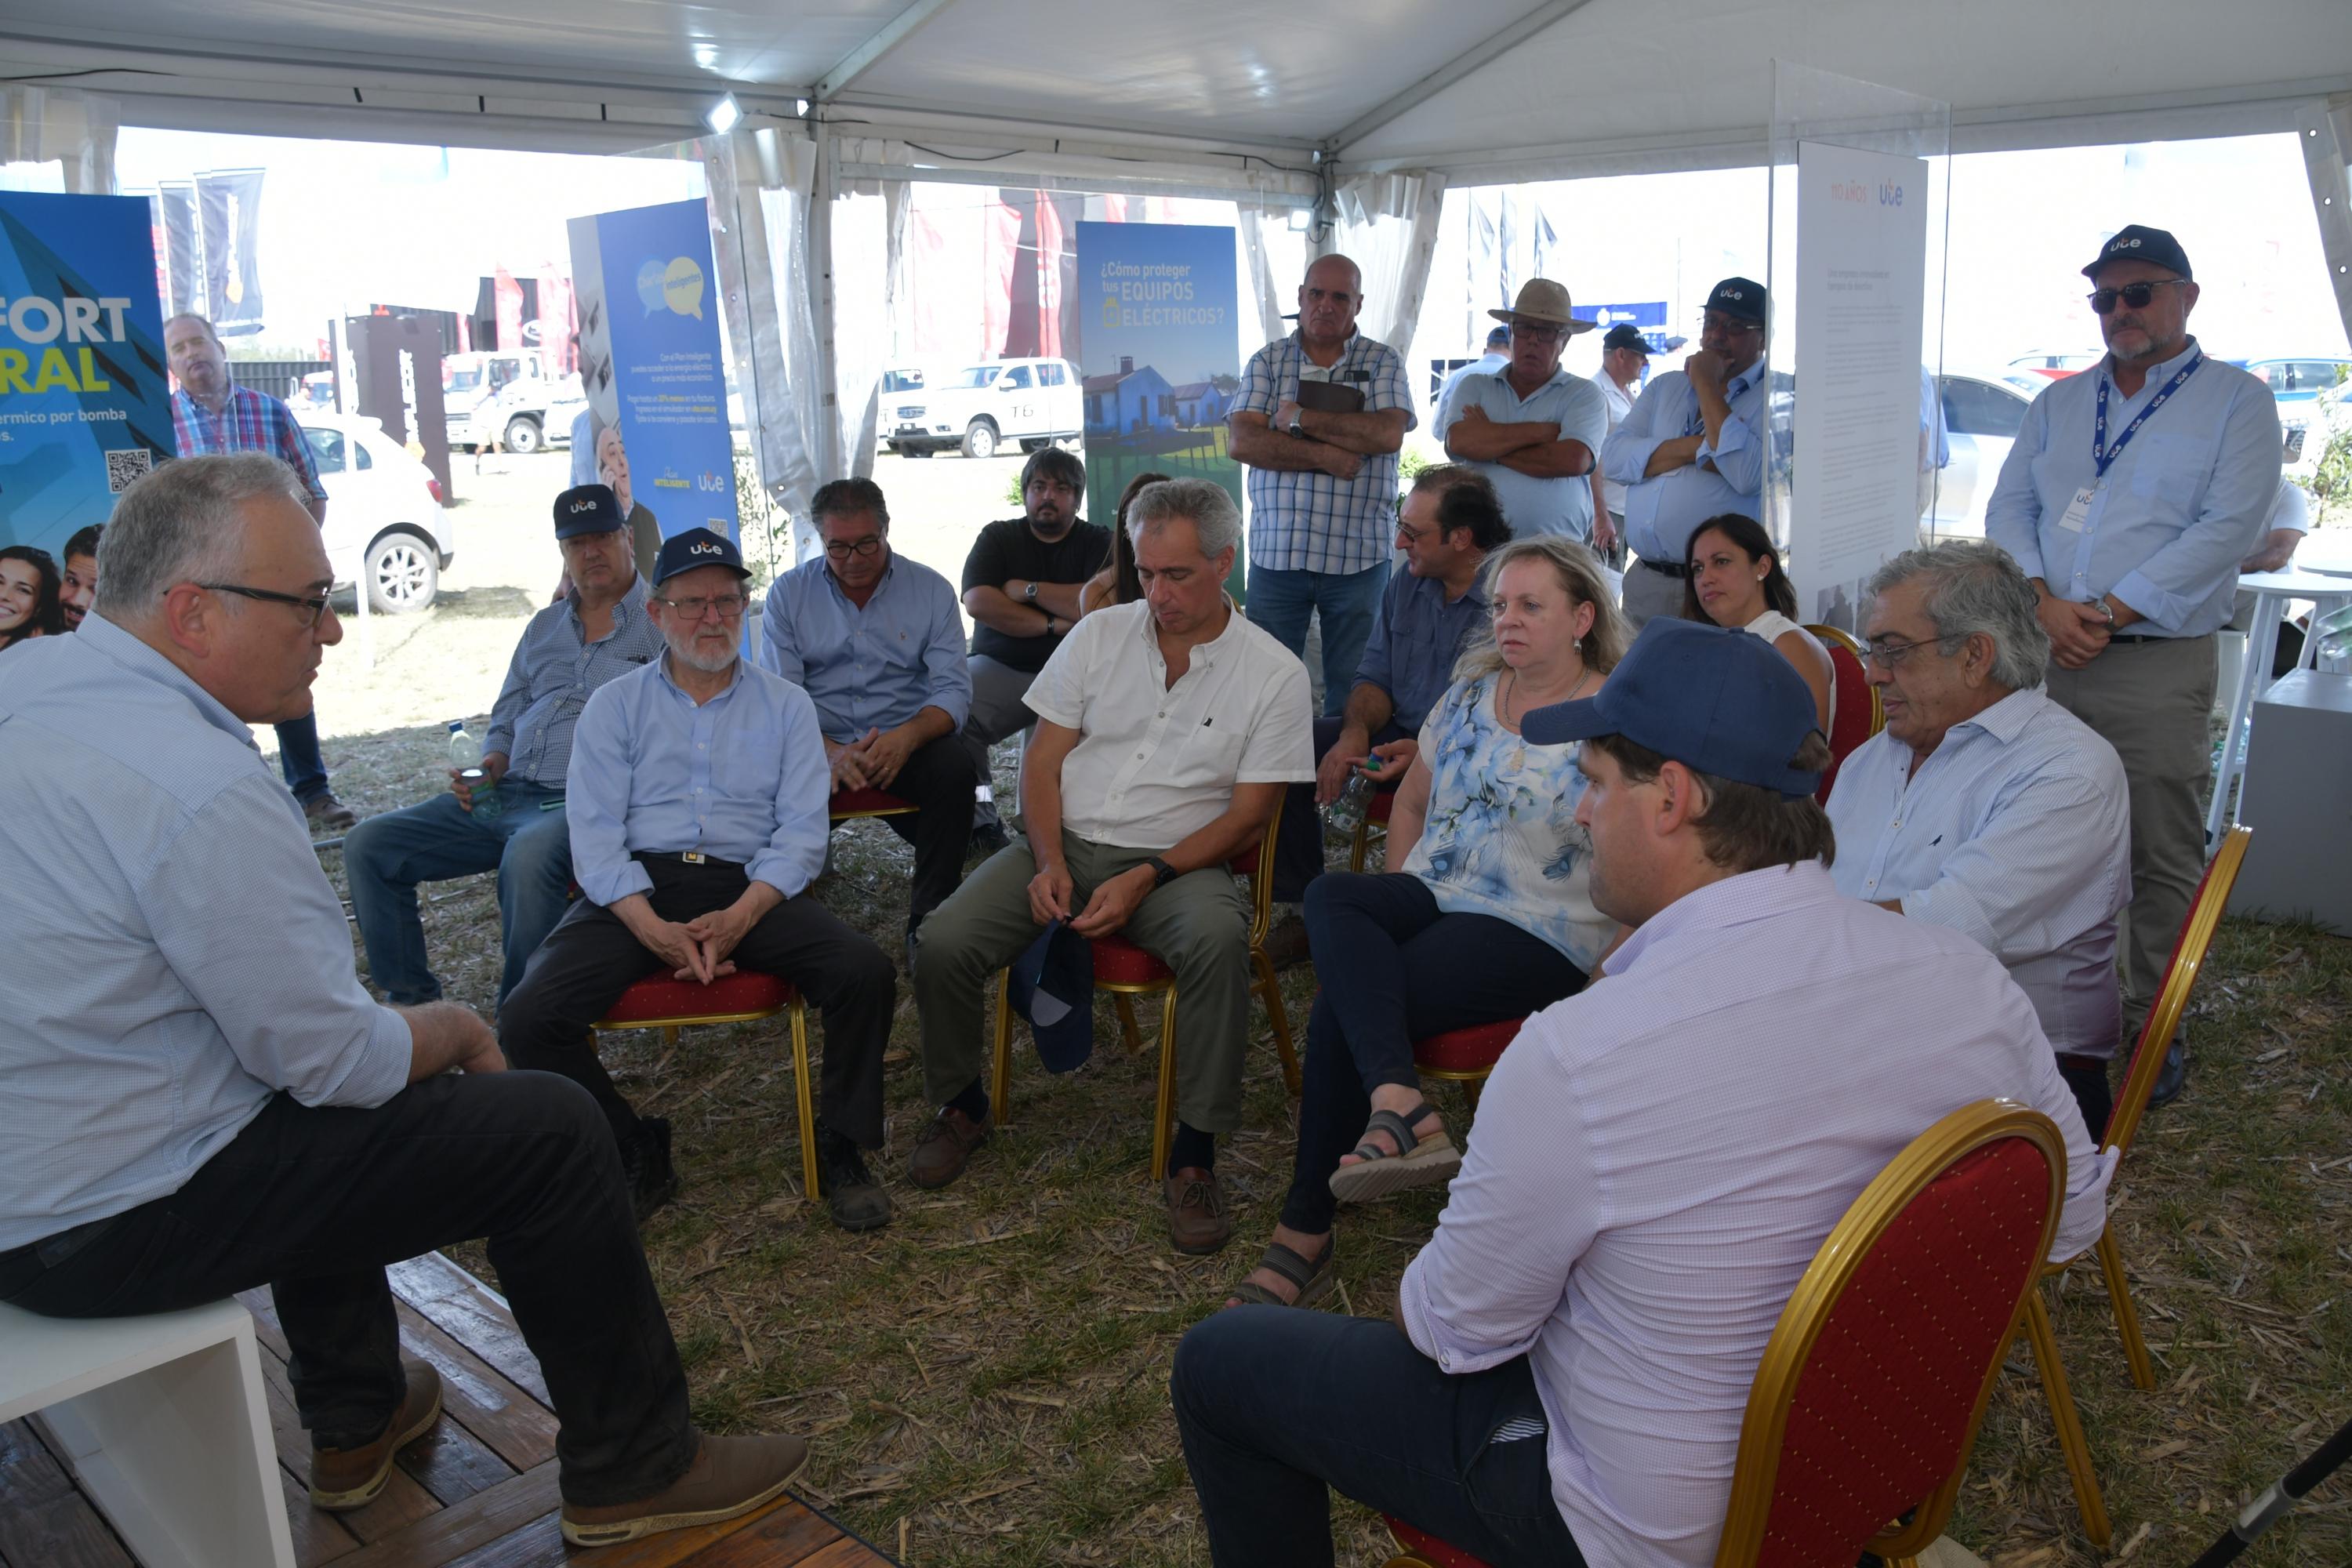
x: 466, y: 756
x: 1345, y: 813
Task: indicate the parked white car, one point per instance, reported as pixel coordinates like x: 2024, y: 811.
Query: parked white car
x: 1034, y: 402
x: 1982, y: 412
x: 385, y: 524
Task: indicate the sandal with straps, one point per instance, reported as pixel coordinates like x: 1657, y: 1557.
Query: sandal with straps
x: 1425, y: 1162
x: 1312, y: 1276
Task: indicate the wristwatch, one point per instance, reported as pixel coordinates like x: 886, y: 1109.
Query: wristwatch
x: 1163, y: 873
x: 1297, y: 431
x: 1030, y: 593
x: 2104, y: 608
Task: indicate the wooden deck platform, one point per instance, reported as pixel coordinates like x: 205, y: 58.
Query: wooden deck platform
x: 478, y: 1491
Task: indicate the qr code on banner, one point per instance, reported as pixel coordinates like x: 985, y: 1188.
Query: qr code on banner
x: 125, y: 468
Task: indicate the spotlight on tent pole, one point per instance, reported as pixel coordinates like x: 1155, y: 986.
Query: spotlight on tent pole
x: 801, y: 107
x: 722, y: 116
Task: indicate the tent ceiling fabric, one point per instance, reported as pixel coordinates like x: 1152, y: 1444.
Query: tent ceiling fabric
x: 1603, y: 83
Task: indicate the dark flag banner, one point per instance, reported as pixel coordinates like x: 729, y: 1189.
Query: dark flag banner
x: 230, y: 203
x: 181, y: 262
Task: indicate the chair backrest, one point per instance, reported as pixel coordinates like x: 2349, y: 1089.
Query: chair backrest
x: 2188, y: 948
x: 1856, y: 712
x: 1866, y: 1402
x: 1257, y: 863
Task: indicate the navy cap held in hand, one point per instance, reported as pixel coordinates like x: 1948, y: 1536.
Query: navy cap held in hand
x: 1052, y: 985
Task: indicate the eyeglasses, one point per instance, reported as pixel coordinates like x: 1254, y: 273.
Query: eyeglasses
x: 729, y: 606
x: 2135, y: 296
x: 310, y: 608
x: 835, y: 549
x: 1411, y: 534
x: 1887, y: 654
x: 1535, y: 333
x: 1727, y: 327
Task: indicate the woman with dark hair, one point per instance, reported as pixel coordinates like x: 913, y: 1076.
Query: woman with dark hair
x: 1737, y: 580
x: 1117, y: 584
x: 30, y: 606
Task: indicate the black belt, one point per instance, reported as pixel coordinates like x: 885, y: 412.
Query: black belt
x: 686, y: 858
x: 2147, y: 636
x: 1668, y: 568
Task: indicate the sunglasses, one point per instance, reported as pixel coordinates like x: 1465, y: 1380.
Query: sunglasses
x: 2135, y: 296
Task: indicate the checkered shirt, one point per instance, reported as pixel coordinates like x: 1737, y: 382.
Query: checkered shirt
x: 1310, y: 522
x: 253, y: 421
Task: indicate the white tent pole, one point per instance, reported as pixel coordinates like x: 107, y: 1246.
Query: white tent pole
x: 869, y: 55
x: 2326, y: 130
x: 829, y: 465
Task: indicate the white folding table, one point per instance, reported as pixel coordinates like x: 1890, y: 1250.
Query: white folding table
x: 2272, y: 592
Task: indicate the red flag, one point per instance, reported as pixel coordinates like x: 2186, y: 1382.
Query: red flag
x: 510, y: 308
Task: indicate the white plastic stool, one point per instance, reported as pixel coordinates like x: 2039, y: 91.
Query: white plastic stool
x: 163, y: 1421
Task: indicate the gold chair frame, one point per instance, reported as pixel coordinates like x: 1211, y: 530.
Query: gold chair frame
x: 803, y: 1097
x: 1837, y: 637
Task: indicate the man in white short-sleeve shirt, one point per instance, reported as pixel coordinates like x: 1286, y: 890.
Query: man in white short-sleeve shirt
x: 1166, y: 731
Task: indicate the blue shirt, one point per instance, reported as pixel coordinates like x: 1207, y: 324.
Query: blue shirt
x: 1416, y: 636
x: 1662, y: 513
x: 174, y: 956
x: 871, y: 669
x: 2176, y: 511
x: 584, y: 447
x: 1305, y: 520
x: 2016, y: 833
x: 741, y: 777
x: 549, y: 681
x: 1532, y: 505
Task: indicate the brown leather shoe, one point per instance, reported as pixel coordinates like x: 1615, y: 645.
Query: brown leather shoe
x: 325, y: 811
x: 945, y: 1148
x: 729, y: 1476
x: 346, y: 1479
x: 1197, y: 1219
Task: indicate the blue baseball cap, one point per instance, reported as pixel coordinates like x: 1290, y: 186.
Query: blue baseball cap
x: 696, y: 547
x: 1710, y: 698
x: 2137, y: 242
x: 1052, y: 985
x: 1742, y: 297
x: 588, y: 509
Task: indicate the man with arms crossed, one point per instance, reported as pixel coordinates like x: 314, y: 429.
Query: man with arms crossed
x: 1658, y: 1159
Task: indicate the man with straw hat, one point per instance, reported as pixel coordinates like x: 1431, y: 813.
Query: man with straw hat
x: 1531, y: 427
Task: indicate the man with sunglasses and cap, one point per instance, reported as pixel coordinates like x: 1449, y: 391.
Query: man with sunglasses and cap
x: 1694, y: 448
x: 2129, y: 498
x: 1531, y: 427
x: 1658, y: 1159
x: 510, y: 820
x: 698, y: 804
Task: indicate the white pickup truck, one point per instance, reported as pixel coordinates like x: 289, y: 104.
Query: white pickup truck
x: 1034, y: 402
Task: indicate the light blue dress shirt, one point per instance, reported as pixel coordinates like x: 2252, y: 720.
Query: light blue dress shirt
x: 2176, y: 511
x: 1662, y: 513
x: 872, y: 669
x: 741, y: 777
x: 1529, y: 504
x: 2016, y: 833
x: 173, y: 956
x: 554, y: 671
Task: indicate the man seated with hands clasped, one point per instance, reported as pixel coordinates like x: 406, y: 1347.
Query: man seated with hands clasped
x: 1166, y: 730
x: 698, y: 807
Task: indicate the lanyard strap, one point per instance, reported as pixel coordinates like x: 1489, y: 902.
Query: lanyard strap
x: 2103, y: 455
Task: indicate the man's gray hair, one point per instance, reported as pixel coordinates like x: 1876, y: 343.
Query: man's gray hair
x: 179, y: 525
x: 1204, y: 504
x: 1967, y: 586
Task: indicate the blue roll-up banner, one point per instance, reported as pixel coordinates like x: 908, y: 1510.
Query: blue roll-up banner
x: 651, y: 366
x: 85, y: 402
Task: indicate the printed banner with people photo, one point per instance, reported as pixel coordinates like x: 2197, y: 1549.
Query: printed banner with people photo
x: 85, y: 399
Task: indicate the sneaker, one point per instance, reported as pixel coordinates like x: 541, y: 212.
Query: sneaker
x: 856, y: 1199
x: 325, y: 811
x: 2171, y: 1078
x: 730, y: 1478
x: 653, y: 1180
x: 346, y: 1479
x: 945, y: 1146
x: 1198, y: 1220
x: 989, y: 837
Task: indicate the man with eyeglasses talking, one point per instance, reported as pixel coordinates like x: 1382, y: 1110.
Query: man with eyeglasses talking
x: 2129, y: 498
x: 1694, y: 448
x: 698, y: 805
x: 876, y: 642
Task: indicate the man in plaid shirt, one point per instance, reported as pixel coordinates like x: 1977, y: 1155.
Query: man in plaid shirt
x: 210, y: 414
x: 1322, y: 484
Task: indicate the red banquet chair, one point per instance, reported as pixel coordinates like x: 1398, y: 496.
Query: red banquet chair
x: 660, y: 1002
x: 1866, y: 1402
x: 1125, y: 969
x: 1856, y: 712
x: 849, y: 805
x: 1465, y: 1055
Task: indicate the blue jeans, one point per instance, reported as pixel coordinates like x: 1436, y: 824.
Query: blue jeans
x: 386, y: 856
x: 1278, y: 1408
x: 1281, y: 602
x: 298, y: 758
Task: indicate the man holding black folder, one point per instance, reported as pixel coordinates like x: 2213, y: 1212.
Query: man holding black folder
x: 1318, y: 422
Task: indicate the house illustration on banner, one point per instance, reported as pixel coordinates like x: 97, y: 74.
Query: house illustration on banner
x: 1201, y: 403
x: 1130, y: 400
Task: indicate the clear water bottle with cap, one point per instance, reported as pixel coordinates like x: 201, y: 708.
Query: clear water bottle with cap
x: 1346, y: 813
x: 466, y: 756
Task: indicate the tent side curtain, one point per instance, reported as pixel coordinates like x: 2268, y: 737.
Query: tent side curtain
x: 59, y: 125
x: 1388, y: 226
x: 760, y: 225
x: 2325, y: 132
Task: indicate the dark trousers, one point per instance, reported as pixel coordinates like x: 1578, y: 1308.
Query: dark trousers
x: 298, y: 758
x: 938, y: 778
x: 2094, y: 1095
x: 1278, y: 1408
x: 590, y: 958
x: 1298, y: 853
x: 1395, y: 969
x: 315, y: 1201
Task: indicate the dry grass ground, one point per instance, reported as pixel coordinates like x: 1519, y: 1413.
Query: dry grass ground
x: 986, y: 1379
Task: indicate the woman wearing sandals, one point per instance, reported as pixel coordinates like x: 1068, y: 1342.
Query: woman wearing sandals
x: 1490, y: 918
x: 1736, y: 580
